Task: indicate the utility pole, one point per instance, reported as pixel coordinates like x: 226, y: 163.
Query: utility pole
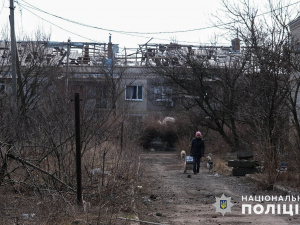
x: 13, y: 53
x: 125, y: 56
x: 67, y: 69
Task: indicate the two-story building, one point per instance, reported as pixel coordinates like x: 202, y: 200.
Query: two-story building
x: 107, y: 79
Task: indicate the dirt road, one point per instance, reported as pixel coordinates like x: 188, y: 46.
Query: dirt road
x: 169, y: 196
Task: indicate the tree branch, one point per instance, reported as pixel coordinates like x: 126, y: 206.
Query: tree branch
x: 39, y: 169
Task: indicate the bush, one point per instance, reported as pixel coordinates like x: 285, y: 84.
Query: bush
x: 159, y: 135
x: 148, y: 135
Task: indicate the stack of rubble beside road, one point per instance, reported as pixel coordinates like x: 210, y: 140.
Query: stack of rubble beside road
x: 244, y: 164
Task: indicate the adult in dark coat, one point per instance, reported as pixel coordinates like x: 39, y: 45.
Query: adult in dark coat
x: 197, y: 151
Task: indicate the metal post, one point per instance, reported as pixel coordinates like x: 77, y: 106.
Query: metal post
x: 121, y: 138
x: 103, y: 167
x: 78, y: 149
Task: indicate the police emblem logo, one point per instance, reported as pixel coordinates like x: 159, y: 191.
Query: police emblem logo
x: 223, y: 204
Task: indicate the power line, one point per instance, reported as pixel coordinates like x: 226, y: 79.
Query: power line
x: 148, y: 33
x: 162, y: 39
x: 26, y: 8
x: 129, y: 34
x: 75, y: 22
x: 57, y: 25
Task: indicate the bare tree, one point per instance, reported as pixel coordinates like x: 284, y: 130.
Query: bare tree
x: 208, y: 88
x: 45, y: 143
x: 269, y: 51
x: 33, y: 78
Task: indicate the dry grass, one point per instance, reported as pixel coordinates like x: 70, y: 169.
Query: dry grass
x: 221, y: 167
x: 47, y: 205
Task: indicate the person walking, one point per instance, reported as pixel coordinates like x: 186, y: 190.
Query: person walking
x: 197, y: 151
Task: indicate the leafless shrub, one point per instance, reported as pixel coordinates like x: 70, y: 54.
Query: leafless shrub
x: 163, y: 132
x: 38, y: 158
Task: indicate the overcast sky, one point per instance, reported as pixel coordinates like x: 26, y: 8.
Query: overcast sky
x: 98, y: 19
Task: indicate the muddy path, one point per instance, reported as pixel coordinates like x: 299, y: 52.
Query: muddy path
x: 170, y: 196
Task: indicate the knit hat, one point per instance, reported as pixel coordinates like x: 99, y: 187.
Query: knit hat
x: 198, y: 133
